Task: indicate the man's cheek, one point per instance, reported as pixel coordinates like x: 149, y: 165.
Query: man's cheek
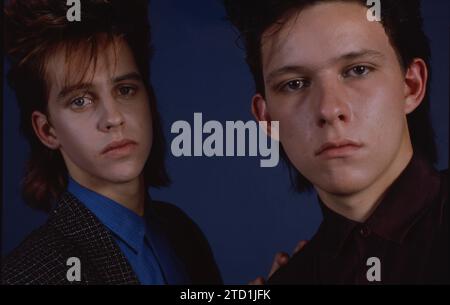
x: 287, y: 136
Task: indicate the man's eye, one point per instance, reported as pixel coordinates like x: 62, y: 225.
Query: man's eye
x: 358, y: 71
x: 80, y: 102
x: 294, y: 85
x: 127, y: 90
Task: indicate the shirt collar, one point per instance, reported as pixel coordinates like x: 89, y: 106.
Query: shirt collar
x: 121, y: 221
x: 405, y: 201
x: 334, y: 229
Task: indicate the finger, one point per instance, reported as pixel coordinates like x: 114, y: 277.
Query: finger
x: 300, y: 246
x: 281, y: 259
x: 258, y: 281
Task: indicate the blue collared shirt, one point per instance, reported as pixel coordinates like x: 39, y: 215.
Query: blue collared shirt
x: 131, y: 232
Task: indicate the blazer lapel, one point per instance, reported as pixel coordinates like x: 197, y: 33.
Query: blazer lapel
x: 94, y: 241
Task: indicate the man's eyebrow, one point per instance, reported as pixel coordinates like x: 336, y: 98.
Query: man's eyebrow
x: 358, y: 54
x: 347, y: 56
x: 285, y: 70
x: 127, y: 76
x: 68, y: 89
x: 84, y: 86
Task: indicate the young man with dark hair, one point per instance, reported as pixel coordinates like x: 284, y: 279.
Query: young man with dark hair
x: 89, y: 114
x: 351, y: 96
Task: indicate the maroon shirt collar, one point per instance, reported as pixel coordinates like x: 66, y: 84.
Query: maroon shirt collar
x: 405, y: 201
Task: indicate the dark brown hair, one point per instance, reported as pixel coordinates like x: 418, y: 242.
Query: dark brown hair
x: 403, y: 25
x: 34, y: 30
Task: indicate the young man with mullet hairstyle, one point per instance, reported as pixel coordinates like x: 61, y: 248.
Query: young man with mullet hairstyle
x: 351, y: 95
x: 89, y: 114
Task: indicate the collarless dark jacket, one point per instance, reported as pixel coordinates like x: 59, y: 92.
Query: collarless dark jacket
x: 73, y: 231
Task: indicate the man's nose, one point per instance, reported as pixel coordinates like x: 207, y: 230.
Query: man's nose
x: 112, y: 116
x: 332, y: 103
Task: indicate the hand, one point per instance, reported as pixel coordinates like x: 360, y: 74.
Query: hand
x: 281, y: 259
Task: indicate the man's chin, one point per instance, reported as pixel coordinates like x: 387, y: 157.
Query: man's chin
x: 341, y: 187
x: 121, y: 176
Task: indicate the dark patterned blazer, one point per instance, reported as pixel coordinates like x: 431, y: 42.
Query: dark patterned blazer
x: 73, y: 231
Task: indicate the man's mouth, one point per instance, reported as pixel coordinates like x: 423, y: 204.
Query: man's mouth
x: 338, y: 148
x: 119, y: 148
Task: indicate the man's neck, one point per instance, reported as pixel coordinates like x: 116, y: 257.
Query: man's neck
x: 360, y: 205
x: 129, y: 194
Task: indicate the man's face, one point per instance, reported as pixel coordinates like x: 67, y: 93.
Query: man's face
x: 103, y: 127
x: 333, y: 79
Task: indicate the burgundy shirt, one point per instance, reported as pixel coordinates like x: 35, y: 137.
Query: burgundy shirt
x: 407, y: 235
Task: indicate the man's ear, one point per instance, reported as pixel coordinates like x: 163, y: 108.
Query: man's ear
x: 415, y: 84
x: 44, y: 131
x: 259, y: 110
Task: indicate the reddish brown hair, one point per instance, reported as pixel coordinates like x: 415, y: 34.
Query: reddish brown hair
x: 34, y: 30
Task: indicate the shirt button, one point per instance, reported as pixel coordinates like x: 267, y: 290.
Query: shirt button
x: 364, y: 231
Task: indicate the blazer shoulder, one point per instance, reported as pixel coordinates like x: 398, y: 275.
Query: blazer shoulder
x: 39, y: 259
x: 189, y: 242
x: 176, y: 223
x: 166, y: 210
x: 172, y: 217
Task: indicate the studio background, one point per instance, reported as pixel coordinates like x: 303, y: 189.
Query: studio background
x: 248, y: 213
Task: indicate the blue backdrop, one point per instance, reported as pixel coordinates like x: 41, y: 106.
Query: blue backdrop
x: 247, y: 213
